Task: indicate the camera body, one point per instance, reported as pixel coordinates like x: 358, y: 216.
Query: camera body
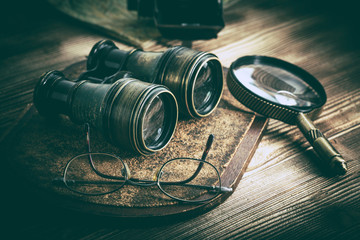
x: 184, y: 19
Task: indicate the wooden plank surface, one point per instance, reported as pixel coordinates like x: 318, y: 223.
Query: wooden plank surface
x: 284, y: 194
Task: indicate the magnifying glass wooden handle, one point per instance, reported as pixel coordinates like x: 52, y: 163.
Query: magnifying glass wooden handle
x: 321, y: 145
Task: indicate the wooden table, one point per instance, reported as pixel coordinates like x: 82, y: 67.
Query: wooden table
x: 283, y: 195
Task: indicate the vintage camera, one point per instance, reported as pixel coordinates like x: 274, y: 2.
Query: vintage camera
x: 130, y: 113
x: 182, y: 19
x: 194, y: 77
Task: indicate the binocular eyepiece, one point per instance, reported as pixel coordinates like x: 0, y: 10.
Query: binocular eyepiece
x: 131, y: 114
x: 194, y: 77
x: 140, y: 115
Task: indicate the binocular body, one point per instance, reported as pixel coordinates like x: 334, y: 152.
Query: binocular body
x: 131, y: 114
x: 140, y: 115
x: 194, y: 77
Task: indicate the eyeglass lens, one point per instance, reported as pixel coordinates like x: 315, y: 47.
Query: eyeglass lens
x: 189, y: 180
x: 95, y: 174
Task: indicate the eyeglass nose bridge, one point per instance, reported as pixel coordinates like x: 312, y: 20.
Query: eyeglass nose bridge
x: 126, y: 171
x: 158, y: 173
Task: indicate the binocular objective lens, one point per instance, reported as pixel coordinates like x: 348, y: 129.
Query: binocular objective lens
x: 205, y: 87
x: 154, y: 123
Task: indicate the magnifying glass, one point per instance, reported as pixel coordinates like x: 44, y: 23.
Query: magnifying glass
x: 283, y: 91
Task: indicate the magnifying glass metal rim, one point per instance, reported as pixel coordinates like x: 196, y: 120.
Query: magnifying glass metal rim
x: 263, y: 106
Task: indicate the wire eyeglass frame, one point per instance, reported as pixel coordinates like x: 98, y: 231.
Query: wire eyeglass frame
x: 126, y: 178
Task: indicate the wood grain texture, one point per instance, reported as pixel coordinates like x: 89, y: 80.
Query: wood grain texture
x: 284, y: 194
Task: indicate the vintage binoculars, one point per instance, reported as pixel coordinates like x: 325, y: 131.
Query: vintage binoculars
x: 131, y: 114
x: 134, y: 114
x: 194, y: 77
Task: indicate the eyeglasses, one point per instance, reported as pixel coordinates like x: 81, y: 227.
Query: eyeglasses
x: 183, y: 179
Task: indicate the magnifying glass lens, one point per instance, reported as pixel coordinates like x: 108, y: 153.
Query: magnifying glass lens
x: 154, y: 122
x: 277, y: 85
x: 205, y: 88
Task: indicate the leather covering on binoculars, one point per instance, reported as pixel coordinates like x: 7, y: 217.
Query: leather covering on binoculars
x: 43, y: 148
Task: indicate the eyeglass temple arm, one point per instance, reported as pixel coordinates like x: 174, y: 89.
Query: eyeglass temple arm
x: 203, y: 157
x: 207, y: 147
x: 60, y: 181
x: 126, y: 170
x: 209, y: 188
x: 87, y: 130
x: 88, y: 148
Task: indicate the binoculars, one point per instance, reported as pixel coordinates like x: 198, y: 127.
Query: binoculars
x: 134, y: 97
